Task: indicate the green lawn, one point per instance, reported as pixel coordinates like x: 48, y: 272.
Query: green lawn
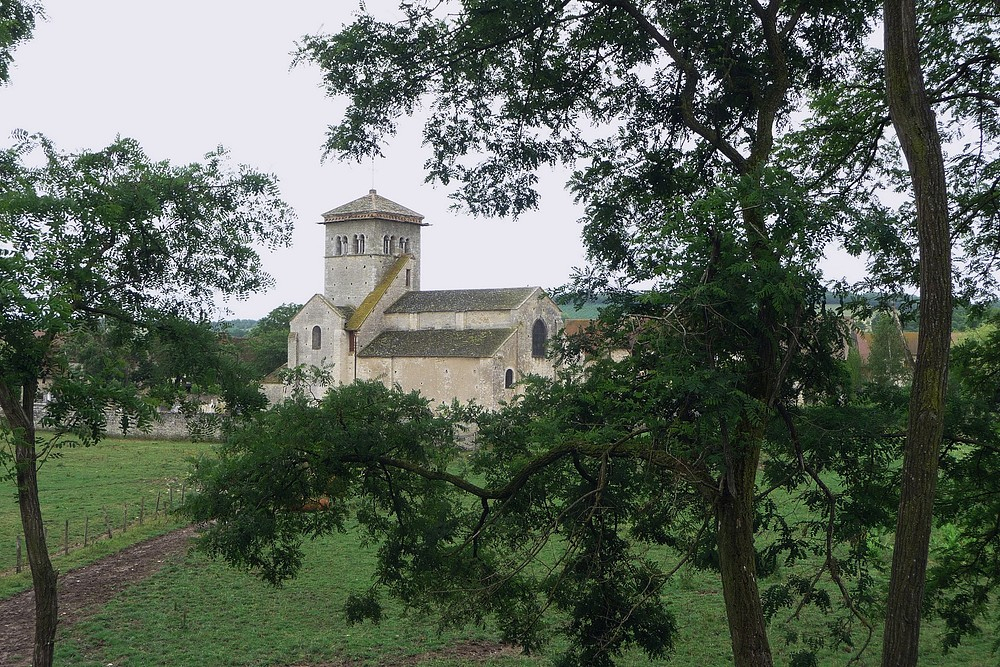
x: 199, y: 612
x: 83, y: 485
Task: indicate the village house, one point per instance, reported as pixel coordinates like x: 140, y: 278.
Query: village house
x: 373, y: 321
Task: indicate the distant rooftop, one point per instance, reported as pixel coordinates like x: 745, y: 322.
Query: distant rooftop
x: 373, y: 205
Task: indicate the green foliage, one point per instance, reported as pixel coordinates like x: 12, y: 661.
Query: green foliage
x: 110, y: 256
x: 847, y: 143
x: 966, y: 570
x: 299, y: 452
x: 677, y: 119
x: 889, y: 360
x: 17, y: 22
x: 266, y: 344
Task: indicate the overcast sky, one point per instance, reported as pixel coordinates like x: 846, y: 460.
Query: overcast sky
x: 186, y: 76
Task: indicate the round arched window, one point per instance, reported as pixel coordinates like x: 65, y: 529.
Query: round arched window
x: 539, y: 337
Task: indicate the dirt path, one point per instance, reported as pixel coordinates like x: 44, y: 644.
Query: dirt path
x: 85, y: 590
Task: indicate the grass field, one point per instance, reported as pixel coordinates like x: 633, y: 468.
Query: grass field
x: 199, y: 612
x: 85, y: 484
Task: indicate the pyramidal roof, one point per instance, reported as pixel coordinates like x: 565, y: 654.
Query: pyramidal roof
x: 373, y: 205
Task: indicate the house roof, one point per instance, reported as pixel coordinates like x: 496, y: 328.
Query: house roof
x: 461, y: 300
x: 372, y: 205
x: 474, y: 343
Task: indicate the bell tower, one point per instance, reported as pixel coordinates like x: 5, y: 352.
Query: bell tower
x: 364, y: 240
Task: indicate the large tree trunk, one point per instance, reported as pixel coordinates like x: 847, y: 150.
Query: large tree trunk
x: 738, y: 564
x: 20, y: 415
x: 917, y: 130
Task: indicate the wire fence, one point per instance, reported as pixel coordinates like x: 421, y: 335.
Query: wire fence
x: 61, y: 540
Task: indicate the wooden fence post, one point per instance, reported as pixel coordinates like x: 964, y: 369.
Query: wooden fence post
x: 157, y: 513
x: 183, y: 488
x: 171, y: 498
x: 107, y: 521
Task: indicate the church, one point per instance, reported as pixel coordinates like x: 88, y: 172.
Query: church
x: 373, y: 322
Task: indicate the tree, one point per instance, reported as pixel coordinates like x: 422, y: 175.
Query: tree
x: 675, y: 112
x: 266, y: 344
x: 962, y: 577
x: 888, y: 357
x: 17, y: 22
x: 677, y: 118
x: 941, y: 76
x: 108, y: 236
x: 915, y: 124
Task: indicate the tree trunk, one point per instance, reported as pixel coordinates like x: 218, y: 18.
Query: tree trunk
x: 20, y: 415
x: 738, y: 564
x: 917, y: 131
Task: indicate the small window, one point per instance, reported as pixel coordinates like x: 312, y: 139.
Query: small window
x: 340, y: 247
x: 408, y: 277
x: 508, y: 380
x: 539, y: 338
x: 386, y: 246
x: 317, y: 338
x: 352, y: 341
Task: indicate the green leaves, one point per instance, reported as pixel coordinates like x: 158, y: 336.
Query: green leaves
x: 167, y: 238
x: 17, y: 21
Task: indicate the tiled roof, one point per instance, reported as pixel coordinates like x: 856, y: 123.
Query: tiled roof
x: 461, y: 300
x: 372, y: 205
x: 474, y: 343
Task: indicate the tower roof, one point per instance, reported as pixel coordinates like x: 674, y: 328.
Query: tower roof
x: 373, y: 205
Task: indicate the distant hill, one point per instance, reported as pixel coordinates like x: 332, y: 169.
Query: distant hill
x: 235, y: 328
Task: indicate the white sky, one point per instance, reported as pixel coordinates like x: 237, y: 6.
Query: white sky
x: 186, y: 76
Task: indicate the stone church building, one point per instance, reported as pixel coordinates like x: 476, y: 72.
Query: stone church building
x: 373, y: 321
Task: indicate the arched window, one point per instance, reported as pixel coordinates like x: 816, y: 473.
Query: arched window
x: 386, y: 247
x: 340, y: 247
x: 539, y: 337
x: 392, y: 245
x: 361, y: 244
x: 317, y: 338
x: 508, y: 379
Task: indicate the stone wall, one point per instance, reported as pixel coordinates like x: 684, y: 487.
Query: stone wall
x: 171, y: 426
